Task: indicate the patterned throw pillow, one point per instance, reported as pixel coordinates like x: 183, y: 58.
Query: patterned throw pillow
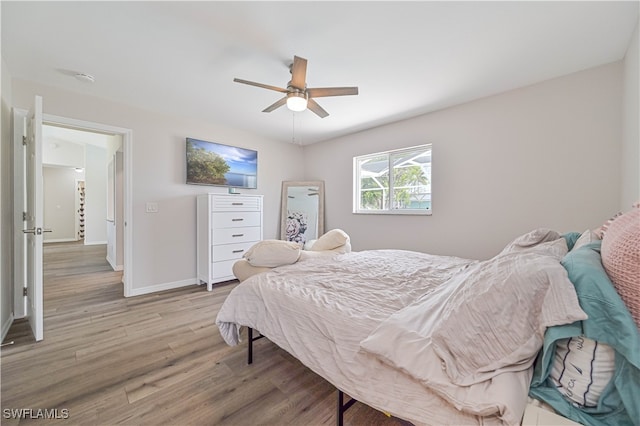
x: 603, y: 228
x: 621, y: 259
x: 581, y: 369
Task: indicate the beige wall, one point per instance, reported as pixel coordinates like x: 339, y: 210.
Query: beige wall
x: 546, y: 155
x: 95, y: 184
x: 6, y: 203
x: 630, y: 166
x: 164, y: 242
x: 59, y: 203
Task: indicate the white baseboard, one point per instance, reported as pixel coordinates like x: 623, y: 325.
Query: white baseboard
x: 162, y: 287
x: 115, y: 267
x: 59, y: 240
x: 94, y: 243
x: 6, y: 326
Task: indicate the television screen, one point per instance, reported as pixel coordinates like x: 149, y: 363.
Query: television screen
x: 210, y: 163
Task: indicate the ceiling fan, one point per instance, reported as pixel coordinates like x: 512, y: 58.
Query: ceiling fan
x: 298, y: 97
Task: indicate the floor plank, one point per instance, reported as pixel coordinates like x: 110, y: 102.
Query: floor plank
x: 151, y: 359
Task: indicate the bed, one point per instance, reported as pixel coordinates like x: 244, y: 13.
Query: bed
x: 428, y: 339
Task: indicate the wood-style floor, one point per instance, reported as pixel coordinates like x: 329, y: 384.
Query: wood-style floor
x: 155, y: 359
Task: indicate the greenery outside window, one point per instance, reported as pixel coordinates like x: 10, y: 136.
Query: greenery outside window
x: 393, y: 182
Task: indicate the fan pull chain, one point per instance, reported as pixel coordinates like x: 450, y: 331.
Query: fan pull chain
x: 293, y: 127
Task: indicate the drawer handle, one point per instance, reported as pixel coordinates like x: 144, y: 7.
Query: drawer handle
x: 237, y: 251
x: 237, y: 220
x: 237, y: 204
x: 238, y: 235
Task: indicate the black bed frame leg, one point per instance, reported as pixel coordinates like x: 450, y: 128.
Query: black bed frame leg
x: 342, y: 407
x: 340, y: 412
x: 250, y: 340
x: 250, y: 345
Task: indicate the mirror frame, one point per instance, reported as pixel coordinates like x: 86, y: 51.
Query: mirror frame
x: 283, y: 207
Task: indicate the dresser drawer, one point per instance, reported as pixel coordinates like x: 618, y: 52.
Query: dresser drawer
x: 223, y: 269
x: 235, y: 219
x: 235, y: 235
x: 230, y: 251
x: 236, y: 203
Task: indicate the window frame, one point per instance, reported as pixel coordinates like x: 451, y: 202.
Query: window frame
x: 389, y: 210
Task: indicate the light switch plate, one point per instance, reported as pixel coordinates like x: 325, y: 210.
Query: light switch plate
x: 152, y: 208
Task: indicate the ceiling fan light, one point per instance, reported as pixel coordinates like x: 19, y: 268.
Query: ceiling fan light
x: 296, y: 102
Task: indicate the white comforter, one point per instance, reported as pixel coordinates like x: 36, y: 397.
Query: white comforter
x: 320, y: 311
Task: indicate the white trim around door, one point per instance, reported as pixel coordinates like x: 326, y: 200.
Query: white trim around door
x: 127, y: 139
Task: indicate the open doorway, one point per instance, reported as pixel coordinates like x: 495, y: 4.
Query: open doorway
x: 105, y: 217
x: 28, y: 203
x: 84, y: 189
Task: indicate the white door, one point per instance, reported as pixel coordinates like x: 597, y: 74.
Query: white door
x: 34, y: 219
x: 19, y: 209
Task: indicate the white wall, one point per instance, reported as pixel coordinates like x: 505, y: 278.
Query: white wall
x: 62, y: 153
x: 630, y: 166
x: 95, y: 189
x: 6, y: 204
x: 164, y: 243
x: 542, y: 156
x: 59, y: 195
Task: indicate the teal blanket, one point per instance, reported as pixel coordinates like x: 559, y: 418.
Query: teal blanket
x: 609, y: 322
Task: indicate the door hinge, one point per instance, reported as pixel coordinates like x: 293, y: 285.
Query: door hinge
x: 24, y: 291
x: 24, y: 216
x: 24, y: 140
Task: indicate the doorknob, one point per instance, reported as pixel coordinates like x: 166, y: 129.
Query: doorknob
x: 36, y: 231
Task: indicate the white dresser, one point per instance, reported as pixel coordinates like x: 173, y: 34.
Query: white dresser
x: 227, y: 226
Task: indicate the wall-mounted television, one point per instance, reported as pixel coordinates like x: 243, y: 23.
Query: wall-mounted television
x: 211, y: 163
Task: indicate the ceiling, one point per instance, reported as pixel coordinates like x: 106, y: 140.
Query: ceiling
x: 407, y: 58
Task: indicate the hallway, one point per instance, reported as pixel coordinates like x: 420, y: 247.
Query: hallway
x: 75, y: 276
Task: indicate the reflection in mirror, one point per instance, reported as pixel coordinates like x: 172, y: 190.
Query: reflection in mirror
x: 302, y: 211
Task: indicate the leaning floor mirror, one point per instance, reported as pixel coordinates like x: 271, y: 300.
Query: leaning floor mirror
x: 302, y: 211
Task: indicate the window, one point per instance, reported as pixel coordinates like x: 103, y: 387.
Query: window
x: 393, y: 182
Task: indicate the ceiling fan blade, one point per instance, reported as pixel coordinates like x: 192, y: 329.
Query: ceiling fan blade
x: 275, y: 105
x: 299, y: 73
x: 264, y: 86
x: 317, y: 109
x: 318, y: 92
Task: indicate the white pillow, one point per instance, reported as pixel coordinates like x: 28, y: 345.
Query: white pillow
x: 586, y: 237
x: 272, y: 253
x: 582, y: 368
x: 332, y: 239
x: 310, y: 254
x: 309, y: 244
